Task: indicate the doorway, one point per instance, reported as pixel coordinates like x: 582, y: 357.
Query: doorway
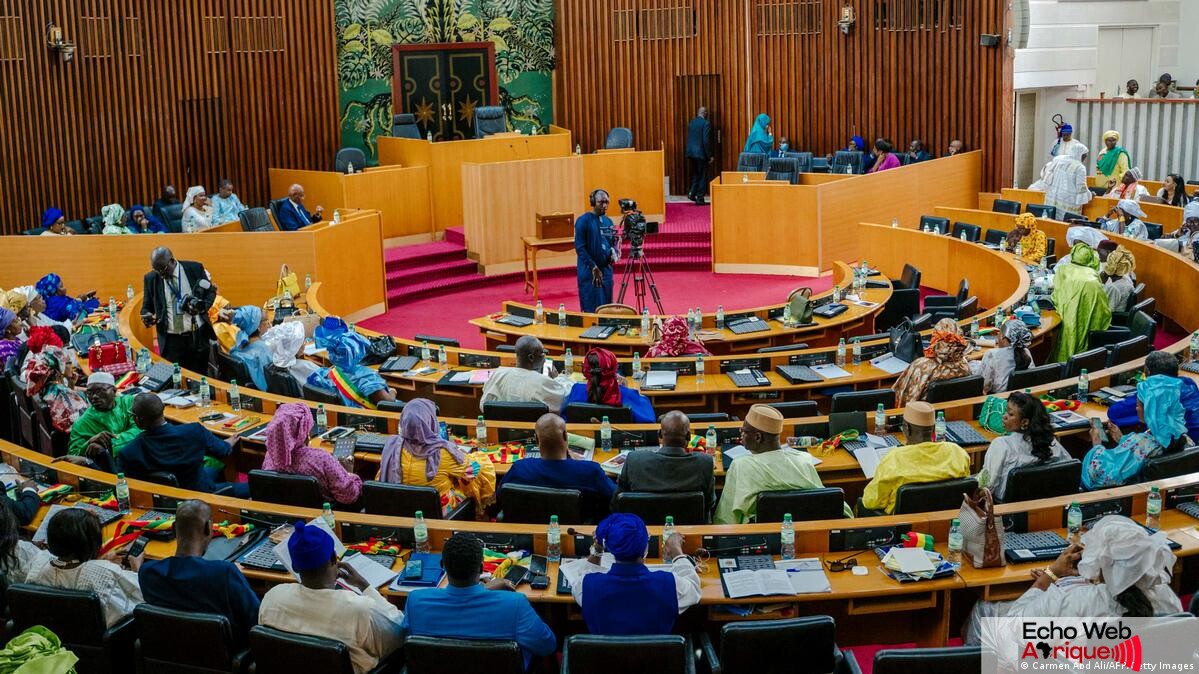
x: 1124, y: 54
x: 442, y: 84
x: 691, y: 92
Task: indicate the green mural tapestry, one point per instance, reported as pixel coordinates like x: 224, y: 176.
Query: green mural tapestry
x: 522, y: 30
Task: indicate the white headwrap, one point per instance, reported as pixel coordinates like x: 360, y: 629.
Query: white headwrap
x: 112, y: 215
x: 1078, y: 151
x: 1084, y: 234
x: 1191, y: 210
x: 284, y: 341
x: 1126, y: 555
x: 1132, y: 208
x: 192, y: 193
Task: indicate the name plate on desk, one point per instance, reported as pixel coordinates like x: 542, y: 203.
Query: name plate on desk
x: 840, y: 540
x: 810, y: 360
x: 264, y: 519
x: 582, y: 543
x: 1176, y: 497
x: 1096, y: 509
x: 737, y: 545
x: 166, y: 503
x: 629, y: 323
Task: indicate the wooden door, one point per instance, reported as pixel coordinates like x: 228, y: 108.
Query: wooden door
x: 442, y: 84
x: 691, y: 92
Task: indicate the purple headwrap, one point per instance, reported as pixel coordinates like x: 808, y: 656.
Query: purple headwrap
x: 420, y: 436
x: 6, y: 318
x: 624, y: 535
x: 51, y: 216
x: 286, y: 435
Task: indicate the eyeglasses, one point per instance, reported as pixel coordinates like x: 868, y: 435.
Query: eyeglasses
x: 842, y: 565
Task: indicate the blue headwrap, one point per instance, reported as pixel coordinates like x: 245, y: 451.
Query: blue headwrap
x: 329, y: 328
x: 155, y: 225
x: 347, y: 350
x: 1161, y: 398
x: 624, y: 535
x: 1066, y: 128
x: 49, y: 285
x: 6, y: 318
x: 758, y: 136
x: 51, y: 216
x: 310, y: 548
x: 859, y: 143
x: 247, y: 319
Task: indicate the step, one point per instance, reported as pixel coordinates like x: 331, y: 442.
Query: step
x: 427, y: 272
x: 456, y: 235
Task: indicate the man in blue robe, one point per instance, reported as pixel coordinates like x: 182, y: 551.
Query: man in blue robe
x: 595, y: 247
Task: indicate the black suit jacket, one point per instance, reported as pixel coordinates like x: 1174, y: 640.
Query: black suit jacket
x: 668, y: 470
x: 153, y: 297
x: 699, y: 139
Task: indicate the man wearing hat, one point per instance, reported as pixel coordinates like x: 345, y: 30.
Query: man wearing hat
x: 366, y: 623
x: 921, y: 460
x: 106, y: 426
x: 769, y: 467
x: 629, y: 599
x: 671, y: 468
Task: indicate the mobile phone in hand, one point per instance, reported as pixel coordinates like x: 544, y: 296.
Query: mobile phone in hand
x: 136, y: 548
x: 1097, y: 424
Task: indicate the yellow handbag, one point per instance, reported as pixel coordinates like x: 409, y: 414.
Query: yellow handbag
x: 287, y: 282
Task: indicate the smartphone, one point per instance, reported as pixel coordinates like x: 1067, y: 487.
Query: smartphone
x: 413, y: 569
x: 1097, y: 424
x: 215, y: 416
x: 137, y: 547
x: 537, y: 565
x: 540, y: 582
x: 516, y: 575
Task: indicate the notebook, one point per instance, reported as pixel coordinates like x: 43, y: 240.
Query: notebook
x: 431, y: 573
x: 664, y: 380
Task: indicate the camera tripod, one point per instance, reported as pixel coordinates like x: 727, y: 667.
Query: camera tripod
x: 637, y: 268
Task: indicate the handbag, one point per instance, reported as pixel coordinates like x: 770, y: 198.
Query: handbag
x: 982, y: 536
x: 111, y: 358
x: 905, y: 342
x: 990, y: 416
x: 287, y: 282
x: 381, y: 348
x: 801, y: 306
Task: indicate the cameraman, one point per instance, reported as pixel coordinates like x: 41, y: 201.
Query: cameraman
x: 176, y: 298
x: 595, y: 246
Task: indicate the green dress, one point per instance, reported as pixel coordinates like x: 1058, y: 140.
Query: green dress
x: 1081, y: 303
x: 118, y: 421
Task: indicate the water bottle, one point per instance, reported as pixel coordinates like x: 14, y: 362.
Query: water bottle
x: 442, y: 358
x: 568, y: 361
x: 880, y: 420
x: 645, y: 323
x: 894, y: 223
x: 327, y: 515
x: 481, y: 430
x: 425, y: 353
x: 1084, y: 386
x: 999, y: 316
x: 637, y: 365
x: 841, y: 353
x: 112, y: 306
x: 561, y: 315
x: 578, y: 149
x: 205, y: 393
x: 1019, y: 251
x: 307, y: 281
x: 836, y: 293
x: 605, y: 435
x: 744, y: 178
x: 691, y: 321
x: 711, y: 440
x: 420, y: 534
x: 129, y: 292
x: 1032, y: 295
x: 177, y: 377
x: 429, y: 136
x: 962, y: 236
x: 539, y: 313
x: 939, y: 429
x: 1195, y: 346
x: 234, y: 396
x: 720, y: 317
x: 553, y: 541
x: 1003, y: 243
x: 787, y: 315
x: 956, y: 542
x: 699, y: 369
x: 974, y: 328
x: 337, y: 216
x: 1153, y: 508
x: 857, y: 352
x: 121, y: 491
x: 443, y: 431
x: 787, y: 538
x: 287, y: 296
x: 699, y: 319
x: 350, y: 167
x: 1074, y: 521
x: 143, y: 360
x: 667, y: 532
x: 322, y: 419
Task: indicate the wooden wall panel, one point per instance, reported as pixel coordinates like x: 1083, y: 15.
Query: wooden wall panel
x: 787, y: 58
x: 183, y: 92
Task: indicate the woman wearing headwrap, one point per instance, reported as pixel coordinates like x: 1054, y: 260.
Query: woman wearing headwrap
x: 247, y: 321
x: 287, y: 451
x: 1159, y: 407
x: 1129, y: 187
x: 11, y: 328
x: 1113, y: 160
x: 197, y: 212
x: 1066, y: 143
x: 1117, y: 278
x: 60, y: 307
x: 1125, y: 219
x: 49, y: 376
x: 419, y: 456
x: 1183, y: 240
x: 114, y: 219
x: 1080, y: 301
x: 358, y: 385
x: 1120, y: 570
x: 603, y: 387
x: 1010, y: 354
x: 761, y: 139
x: 1029, y: 440
x: 285, y: 342
x: 1033, y: 242
x: 945, y: 358
x: 676, y: 341
x: 142, y: 222
x: 54, y: 223
x: 1064, y: 181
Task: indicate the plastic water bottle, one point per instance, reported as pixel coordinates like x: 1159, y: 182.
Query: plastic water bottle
x: 322, y: 419
x: 129, y: 292
x: 553, y: 541
x: 425, y: 353
x: 1003, y: 243
x: 420, y: 533
x: 337, y: 216
x: 720, y: 317
x: 121, y: 491
x: 667, y: 531
x: 699, y: 369
x: 327, y: 515
x: 699, y: 319
x: 962, y: 236
x: 645, y: 323
x: 956, y: 542
x: 429, y: 136
x: 637, y: 365
x: 841, y: 353
x: 787, y: 538
x: 561, y: 315
x: 287, y: 296
x: 539, y: 313
x: 880, y: 420
x: 568, y: 361
x: 177, y: 376
x: 711, y: 440
x: 234, y: 396
x: 481, y: 429
x: 578, y: 149
x: 787, y: 315
x: 112, y: 306
x: 894, y: 223
x: 1195, y: 346
x: 691, y: 321
x: 1153, y: 508
x: 442, y: 358
x: 143, y: 360
x: 1074, y: 521
x: 1019, y: 251
x: 1084, y: 386
x: 350, y: 167
x: 939, y: 429
x: 605, y: 435
x: 999, y: 313
x: 205, y: 393
x: 836, y: 293
x: 744, y: 178
x: 307, y: 281
x: 974, y: 328
x: 857, y: 352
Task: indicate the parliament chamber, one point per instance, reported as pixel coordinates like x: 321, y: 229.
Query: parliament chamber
x: 359, y: 425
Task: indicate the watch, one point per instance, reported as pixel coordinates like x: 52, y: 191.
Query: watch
x: 1051, y: 574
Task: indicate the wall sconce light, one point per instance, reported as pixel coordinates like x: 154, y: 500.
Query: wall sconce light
x: 56, y: 43
x: 848, y: 17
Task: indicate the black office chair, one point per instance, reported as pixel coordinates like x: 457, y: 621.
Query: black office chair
x: 489, y: 120
x: 796, y: 409
x: 846, y: 161
x: 1042, y: 211
x: 172, y: 217
x: 77, y: 619
x: 1128, y: 350
x: 77, y: 226
x: 513, y: 411
x: 434, y: 655
x: 280, y: 382
x: 174, y: 642
x: 973, y: 232
x: 748, y: 162
x: 1147, y: 305
x: 526, y: 504
x: 839, y: 422
x: 403, y: 125
x: 435, y: 340
x: 50, y: 440
x: 706, y: 417
x: 1043, y: 480
x: 279, y: 652
x: 684, y: 507
x: 255, y: 220
x: 1153, y: 230
x: 862, y: 401
x: 1006, y: 206
x: 583, y: 413
x: 1050, y: 247
x: 948, y: 306
x: 803, y: 504
x: 803, y: 160
x: 909, y: 279
x: 275, y: 205
x: 937, y: 224
x: 619, y: 138
x: 958, y: 388
x: 1034, y: 376
x: 230, y: 368
x: 404, y: 500
x: 994, y: 236
x: 93, y: 224
x: 931, y: 496
x: 1171, y: 465
x: 596, y: 654
x: 1140, y: 326
x: 754, y: 647
x: 318, y: 394
x: 1091, y: 361
x: 349, y: 156
x: 903, y: 304
x: 783, y: 169
x: 302, y: 491
x: 953, y: 660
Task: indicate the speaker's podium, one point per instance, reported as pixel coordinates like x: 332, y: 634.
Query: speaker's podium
x: 555, y: 232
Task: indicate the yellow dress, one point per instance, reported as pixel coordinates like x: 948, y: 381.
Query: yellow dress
x: 474, y: 478
x: 925, y: 462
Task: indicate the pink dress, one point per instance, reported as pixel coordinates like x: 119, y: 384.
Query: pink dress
x: 335, y: 483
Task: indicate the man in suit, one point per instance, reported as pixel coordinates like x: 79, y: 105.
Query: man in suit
x: 293, y: 215
x: 670, y: 469
x: 699, y: 154
x: 176, y: 297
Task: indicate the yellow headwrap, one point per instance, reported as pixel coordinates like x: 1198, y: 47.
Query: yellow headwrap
x: 1120, y: 262
x: 1111, y: 134
x: 1027, y: 221
x: 14, y: 301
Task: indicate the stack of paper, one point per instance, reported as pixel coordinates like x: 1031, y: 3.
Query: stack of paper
x: 480, y: 377
x: 869, y: 456
x: 830, y: 371
x: 796, y: 576
x: 661, y: 379
x: 889, y: 363
x: 916, y: 562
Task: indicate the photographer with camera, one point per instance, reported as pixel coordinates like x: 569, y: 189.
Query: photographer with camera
x: 595, y: 246
x: 176, y: 297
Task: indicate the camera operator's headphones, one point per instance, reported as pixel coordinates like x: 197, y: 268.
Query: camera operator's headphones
x: 593, y: 194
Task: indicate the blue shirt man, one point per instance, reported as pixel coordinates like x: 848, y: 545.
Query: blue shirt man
x: 594, y: 248
x: 464, y: 609
x: 225, y: 205
x: 556, y: 470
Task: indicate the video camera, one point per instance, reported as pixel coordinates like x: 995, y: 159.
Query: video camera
x: 634, y: 225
